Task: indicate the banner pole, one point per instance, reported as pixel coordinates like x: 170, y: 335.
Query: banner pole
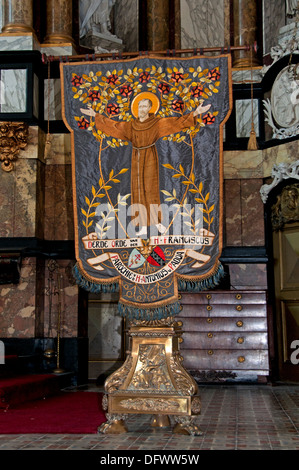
x: 174, y: 53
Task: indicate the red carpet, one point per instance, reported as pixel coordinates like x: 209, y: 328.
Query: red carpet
x: 67, y: 413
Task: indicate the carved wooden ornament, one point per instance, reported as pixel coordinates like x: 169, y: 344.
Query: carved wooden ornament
x: 13, y: 138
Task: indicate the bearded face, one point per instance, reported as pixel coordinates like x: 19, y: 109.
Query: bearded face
x: 144, y: 108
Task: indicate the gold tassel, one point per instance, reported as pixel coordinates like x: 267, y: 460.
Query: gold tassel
x: 252, y: 143
x: 47, y: 146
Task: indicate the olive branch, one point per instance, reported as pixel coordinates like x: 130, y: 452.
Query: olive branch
x: 102, y: 226
x: 92, y: 203
x: 189, y: 181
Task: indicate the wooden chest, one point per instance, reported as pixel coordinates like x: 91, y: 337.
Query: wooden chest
x: 225, y: 335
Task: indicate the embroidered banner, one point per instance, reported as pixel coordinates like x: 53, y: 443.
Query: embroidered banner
x: 147, y: 176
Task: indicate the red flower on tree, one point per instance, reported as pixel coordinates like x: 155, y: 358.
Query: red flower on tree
x: 177, y: 77
x: 113, y: 78
x: 164, y: 88
x: 77, y: 80
x: 214, y: 74
x: 94, y: 95
x: 83, y: 123
x: 208, y: 118
x: 178, y: 105
x: 126, y: 90
x: 113, y: 109
x: 144, y: 77
x: 197, y: 91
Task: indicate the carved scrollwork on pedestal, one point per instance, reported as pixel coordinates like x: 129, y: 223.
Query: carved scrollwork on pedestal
x: 13, y: 138
x: 116, y: 379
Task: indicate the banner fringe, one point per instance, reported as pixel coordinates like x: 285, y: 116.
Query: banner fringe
x: 149, y: 314
x: 190, y: 285
x: 152, y: 313
x: 91, y: 286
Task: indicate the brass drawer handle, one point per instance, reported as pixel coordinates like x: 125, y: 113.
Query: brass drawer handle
x: 239, y: 323
x: 209, y: 320
x: 210, y: 335
x: 238, y: 296
x: 210, y: 352
x: 208, y: 296
x: 241, y: 359
x: 209, y: 307
x: 240, y: 340
x: 239, y: 308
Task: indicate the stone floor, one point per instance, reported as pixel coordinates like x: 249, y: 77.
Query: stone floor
x: 233, y: 417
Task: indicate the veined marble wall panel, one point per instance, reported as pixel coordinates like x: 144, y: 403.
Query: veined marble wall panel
x: 58, y: 190
x: 18, y: 304
x: 7, y: 192
x: 274, y: 17
x: 244, y: 213
x: 244, y: 117
x: 232, y: 213
x: 126, y: 18
x: 243, y: 164
x: 202, y: 23
x: 58, y: 203
x: 13, y: 85
x: 24, y: 217
x: 19, y: 42
x: 248, y: 276
x: 258, y: 163
x: 252, y: 213
x: 52, y: 99
x: 60, y: 150
x: 18, y: 200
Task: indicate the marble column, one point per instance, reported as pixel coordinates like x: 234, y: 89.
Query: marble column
x: 158, y: 25
x: 245, y: 31
x: 17, y: 16
x: 59, y: 22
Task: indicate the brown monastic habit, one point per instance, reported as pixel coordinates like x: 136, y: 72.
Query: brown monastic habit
x: 145, y: 164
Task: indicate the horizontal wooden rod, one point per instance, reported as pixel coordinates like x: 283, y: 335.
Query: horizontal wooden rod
x: 169, y: 53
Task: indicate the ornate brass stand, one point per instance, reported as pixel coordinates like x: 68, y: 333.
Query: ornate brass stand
x: 152, y: 381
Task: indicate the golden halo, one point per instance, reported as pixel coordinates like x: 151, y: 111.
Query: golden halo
x: 143, y: 96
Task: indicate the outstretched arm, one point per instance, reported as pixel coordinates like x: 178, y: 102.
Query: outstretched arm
x: 119, y: 130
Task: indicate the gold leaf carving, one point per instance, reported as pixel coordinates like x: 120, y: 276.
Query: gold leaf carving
x: 13, y: 138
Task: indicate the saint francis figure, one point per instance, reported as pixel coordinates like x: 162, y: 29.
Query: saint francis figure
x: 143, y: 132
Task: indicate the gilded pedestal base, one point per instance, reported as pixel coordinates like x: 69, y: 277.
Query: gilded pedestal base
x: 152, y: 381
